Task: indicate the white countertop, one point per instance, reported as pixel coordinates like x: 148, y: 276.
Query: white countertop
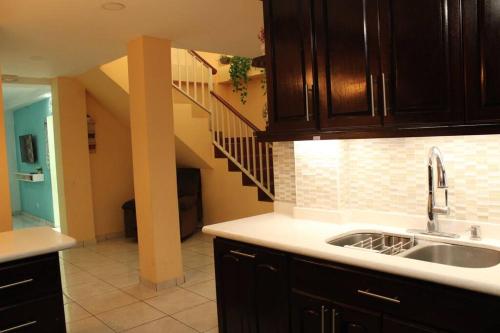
x: 309, y: 238
x: 24, y: 243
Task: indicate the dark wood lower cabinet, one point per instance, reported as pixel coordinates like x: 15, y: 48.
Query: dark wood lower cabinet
x: 353, y: 320
x: 264, y: 291
x: 252, y: 289
x: 393, y: 325
x: 312, y: 315
x: 309, y: 314
x: 31, y: 298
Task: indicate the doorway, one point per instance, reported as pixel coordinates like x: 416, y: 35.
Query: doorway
x: 31, y: 153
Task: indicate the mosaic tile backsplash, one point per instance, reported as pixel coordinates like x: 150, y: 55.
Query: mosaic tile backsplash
x: 284, y: 171
x: 390, y: 174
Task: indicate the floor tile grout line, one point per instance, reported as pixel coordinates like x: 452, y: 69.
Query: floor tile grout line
x: 100, y: 255
x: 186, y: 309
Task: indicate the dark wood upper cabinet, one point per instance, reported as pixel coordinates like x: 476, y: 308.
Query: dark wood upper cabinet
x: 382, y: 68
x: 348, y: 62
x: 421, y: 62
x: 482, y: 59
x: 290, y: 59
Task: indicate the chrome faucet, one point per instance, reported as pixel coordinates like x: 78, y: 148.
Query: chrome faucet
x: 432, y: 209
x: 442, y: 183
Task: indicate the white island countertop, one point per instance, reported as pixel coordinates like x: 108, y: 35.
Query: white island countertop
x: 309, y: 237
x: 24, y: 243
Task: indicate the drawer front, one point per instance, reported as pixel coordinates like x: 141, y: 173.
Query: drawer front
x: 43, y: 315
x: 28, y: 279
x: 435, y: 305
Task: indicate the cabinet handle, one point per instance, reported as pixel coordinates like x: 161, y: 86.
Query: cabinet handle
x: 383, y: 95
x: 384, y: 298
x: 306, y: 91
x: 241, y: 254
x: 268, y: 267
x: 334, y: 314
x: 15, y: 284
x: 322, y: 319
x: 372, y: 95
x: 15, y: 328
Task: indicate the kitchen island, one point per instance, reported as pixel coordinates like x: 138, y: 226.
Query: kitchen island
x: 278, y: 272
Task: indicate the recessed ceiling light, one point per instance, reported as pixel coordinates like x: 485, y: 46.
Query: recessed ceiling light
x: 114, y: 6
x: 10, y: 78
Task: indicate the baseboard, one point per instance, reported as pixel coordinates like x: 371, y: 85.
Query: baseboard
x: 112, y: 235
x: 163, y: 285
x: 36, y: 218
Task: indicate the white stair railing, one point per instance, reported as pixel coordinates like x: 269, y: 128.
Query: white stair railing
x: 193, y: 76
x: 232, y: 133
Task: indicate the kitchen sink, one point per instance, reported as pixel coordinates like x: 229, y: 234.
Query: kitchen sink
x: 412, y: 247
x: 375, y: 242
x: 456, y: 255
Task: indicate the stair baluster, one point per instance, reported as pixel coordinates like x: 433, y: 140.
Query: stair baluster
x: 232, y: 133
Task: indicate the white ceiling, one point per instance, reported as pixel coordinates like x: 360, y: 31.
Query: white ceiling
x: 67, y: 37
x: 16, y: 96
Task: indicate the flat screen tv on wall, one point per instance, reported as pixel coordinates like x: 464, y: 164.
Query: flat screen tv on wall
x: 28, y: 148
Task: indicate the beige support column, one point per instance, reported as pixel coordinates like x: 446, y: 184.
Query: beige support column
x: 153, y: 150
x: 5, y: 209
x: 72, y: 159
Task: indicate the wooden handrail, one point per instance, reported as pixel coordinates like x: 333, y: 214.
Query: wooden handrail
x: 235, y: 112
x: 200, y: 58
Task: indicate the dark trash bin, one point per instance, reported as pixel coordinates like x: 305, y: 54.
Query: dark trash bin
x: 129, y: 219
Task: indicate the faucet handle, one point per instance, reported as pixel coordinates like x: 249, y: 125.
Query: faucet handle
x: 475, y: 232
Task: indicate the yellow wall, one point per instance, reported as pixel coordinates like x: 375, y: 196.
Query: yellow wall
x: 72, y: 155
x: 111, y: 170
x: 5, y: 209
x: 225, y: 198
x: 256, y: 100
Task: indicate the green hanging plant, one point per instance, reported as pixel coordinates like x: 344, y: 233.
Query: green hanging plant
x: 238, y: 71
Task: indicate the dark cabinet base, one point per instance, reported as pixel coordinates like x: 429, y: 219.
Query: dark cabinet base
x: 367, y: 133
x: 256, y: 285
x: 31, y: 298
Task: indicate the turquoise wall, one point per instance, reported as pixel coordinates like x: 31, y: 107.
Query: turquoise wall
x: 36, y: 198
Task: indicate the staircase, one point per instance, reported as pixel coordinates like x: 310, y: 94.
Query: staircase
x: 232, y: 134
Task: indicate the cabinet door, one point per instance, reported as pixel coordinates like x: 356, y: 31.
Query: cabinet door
x: 252, y: 289
x: 421, y: 62
x: 235, y: 289
x: 271, y: 292
x: 482, y: 54
x: 353, y: 320
x: 348, y: 62
x: 392, y: 325
x: 289, y: 61
x: 310, y: 315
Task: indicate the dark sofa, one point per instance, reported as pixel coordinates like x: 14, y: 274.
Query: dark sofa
x: 190, y: 204
x: 190, y: 200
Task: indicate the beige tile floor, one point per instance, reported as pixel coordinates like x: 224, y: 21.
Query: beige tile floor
x: 102, y: 291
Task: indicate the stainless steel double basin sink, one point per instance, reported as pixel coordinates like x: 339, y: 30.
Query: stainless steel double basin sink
x: 420, y: 249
